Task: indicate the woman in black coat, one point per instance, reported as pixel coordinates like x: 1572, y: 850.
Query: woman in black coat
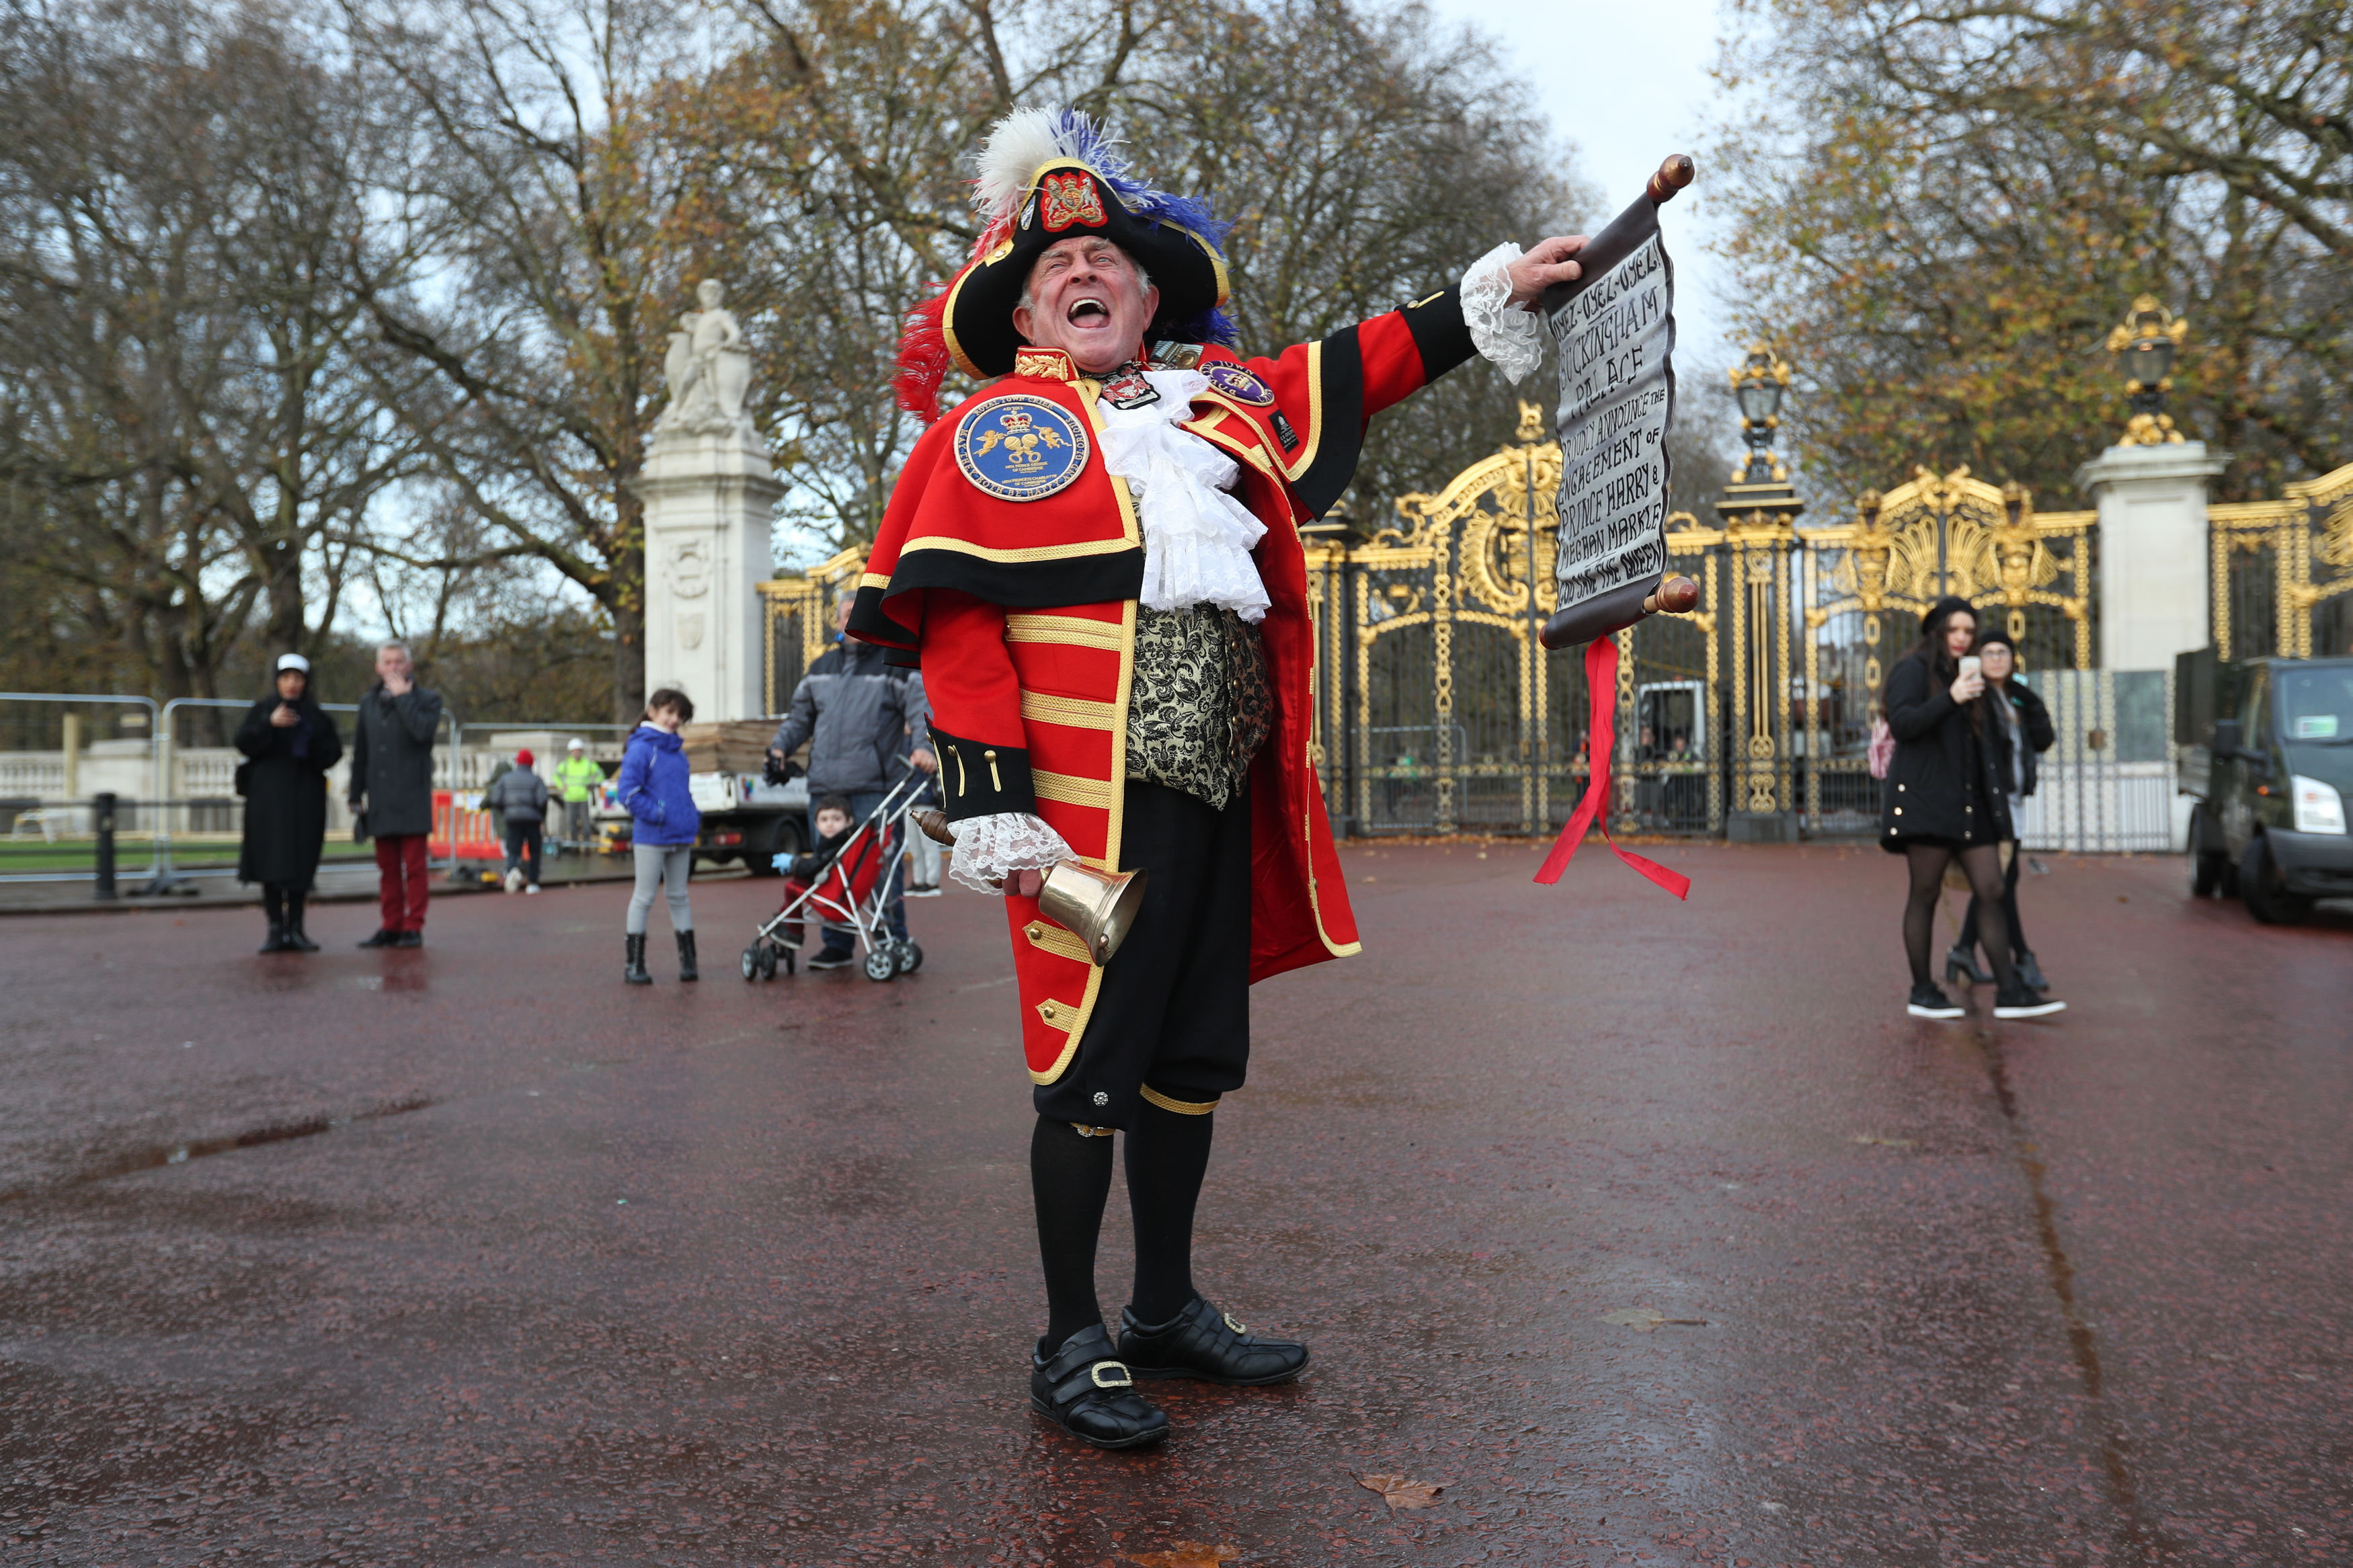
x: 1948, y: 799
x: 289, y: 743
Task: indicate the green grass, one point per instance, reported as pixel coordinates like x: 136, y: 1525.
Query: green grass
x: 132, y: 850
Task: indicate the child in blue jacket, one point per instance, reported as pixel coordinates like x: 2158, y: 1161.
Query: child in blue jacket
x: 652, y: 788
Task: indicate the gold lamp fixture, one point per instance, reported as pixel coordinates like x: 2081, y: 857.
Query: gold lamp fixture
x: 1759, y: 383
x: 2148, y: 338
x: 1759, y: 493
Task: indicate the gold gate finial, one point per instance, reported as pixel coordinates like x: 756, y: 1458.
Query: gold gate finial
x: 1531, y: 430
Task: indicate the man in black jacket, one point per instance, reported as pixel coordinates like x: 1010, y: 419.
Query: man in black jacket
x: 2030, y: 734
x: 856, y: 713
x: 392, y: 789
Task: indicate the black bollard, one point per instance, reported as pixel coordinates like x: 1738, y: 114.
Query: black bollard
x: 102, y: 813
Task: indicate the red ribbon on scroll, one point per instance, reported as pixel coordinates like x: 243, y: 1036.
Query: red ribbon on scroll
x: 1602, y: 686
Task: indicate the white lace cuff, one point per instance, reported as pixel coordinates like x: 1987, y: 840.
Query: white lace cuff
x: 1506, y: 335
x: 986, y: 848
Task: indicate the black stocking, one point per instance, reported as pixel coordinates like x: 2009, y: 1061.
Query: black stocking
x: 1167, y: 1155
x: 1070, y: 1175
x: 273, y: 902
x: 1981, y: 864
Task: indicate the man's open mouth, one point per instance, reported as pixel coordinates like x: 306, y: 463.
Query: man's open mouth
x: 1087, y: 311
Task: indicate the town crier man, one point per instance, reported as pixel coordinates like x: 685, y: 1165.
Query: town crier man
x: 1095, y: 560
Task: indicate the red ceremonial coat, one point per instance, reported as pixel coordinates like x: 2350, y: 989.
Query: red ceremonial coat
x: 1008, y: 566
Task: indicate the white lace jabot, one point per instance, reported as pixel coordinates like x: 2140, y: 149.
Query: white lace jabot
x: 1196, y: 538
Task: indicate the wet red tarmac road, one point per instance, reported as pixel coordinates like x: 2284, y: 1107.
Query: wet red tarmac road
x: 475, y: 1256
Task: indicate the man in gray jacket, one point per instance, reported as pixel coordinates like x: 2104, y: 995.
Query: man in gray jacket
x: 392, y: 789
x: 856, y: 713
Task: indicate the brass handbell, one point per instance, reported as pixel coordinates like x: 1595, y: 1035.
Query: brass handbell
x: 1096, y: 907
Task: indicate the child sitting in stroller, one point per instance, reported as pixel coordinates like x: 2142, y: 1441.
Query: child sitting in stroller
x: 842, y: 868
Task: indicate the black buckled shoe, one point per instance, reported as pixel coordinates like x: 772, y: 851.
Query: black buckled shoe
x: 1202, y: 1343
x: 1083, y: 1389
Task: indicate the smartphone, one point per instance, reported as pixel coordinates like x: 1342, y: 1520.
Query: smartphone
x: 1971, y: 664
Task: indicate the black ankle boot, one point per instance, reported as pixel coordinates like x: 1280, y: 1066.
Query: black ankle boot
x: 1083, y: 1389
x: 1961, y: 964
x: 633, y: 967
x: 2029, y: 972
x: 276, y: 941
x: 1202, y: 1343
x: 297, y: 939
x: 686, y: 970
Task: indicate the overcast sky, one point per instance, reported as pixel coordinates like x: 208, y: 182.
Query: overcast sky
x: 1629, y: 84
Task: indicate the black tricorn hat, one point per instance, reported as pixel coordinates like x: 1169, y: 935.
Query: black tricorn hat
x: 1067, y: 198
x: 1046, y: 176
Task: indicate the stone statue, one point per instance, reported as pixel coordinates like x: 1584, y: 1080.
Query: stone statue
x: 707, y: 370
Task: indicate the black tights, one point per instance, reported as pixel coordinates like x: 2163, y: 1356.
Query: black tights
x: 1969, y: 937
x: 1981, y: 863
x: 1070, y: 1175
x: 281, y: 902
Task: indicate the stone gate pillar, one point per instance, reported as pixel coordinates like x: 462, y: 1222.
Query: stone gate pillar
x: 709, y: 493
x: 2154, y: 595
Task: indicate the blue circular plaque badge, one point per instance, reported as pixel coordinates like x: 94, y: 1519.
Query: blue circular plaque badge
x: 1238, y: 384
x: 1018, y: 448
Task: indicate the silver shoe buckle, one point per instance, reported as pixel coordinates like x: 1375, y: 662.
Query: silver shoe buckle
x: 1232, y: 1323
x: 1122, y: 1381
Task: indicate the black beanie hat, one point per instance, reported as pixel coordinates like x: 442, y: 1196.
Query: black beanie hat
x: 1944, y: 607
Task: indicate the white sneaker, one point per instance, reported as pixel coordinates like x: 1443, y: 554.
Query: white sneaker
x: 533, y: 888
x: 514, y: 881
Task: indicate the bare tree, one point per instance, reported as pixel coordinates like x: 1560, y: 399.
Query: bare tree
x: 192, y: 424
x: 546, y: 190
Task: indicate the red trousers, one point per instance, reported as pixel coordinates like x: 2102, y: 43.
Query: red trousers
x: 400, y: 866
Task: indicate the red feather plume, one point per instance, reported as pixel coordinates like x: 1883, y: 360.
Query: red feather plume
x: 923, y: 357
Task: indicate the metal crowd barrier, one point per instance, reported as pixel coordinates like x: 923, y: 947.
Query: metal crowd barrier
x: 67, y: 800
x: 39, y: 789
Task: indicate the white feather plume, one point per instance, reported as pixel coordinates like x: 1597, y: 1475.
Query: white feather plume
x: 1019, y: 142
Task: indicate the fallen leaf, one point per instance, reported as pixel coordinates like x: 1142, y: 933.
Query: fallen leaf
x: 1188, y: 1554
x: 1400, y: 1493
x: 1642, y: 1320
x: 1882, y: 1143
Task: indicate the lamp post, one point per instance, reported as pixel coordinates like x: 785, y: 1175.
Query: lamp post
x: 1759, y: 511
x: 2148, y: 338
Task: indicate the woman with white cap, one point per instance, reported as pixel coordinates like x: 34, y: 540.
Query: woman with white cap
x: 290, y: 744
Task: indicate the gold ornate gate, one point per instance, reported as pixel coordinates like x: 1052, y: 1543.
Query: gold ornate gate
x: 799, y: 617
x: 1869, y: 581
x: 1437, y: 708
x: 2282, y: 577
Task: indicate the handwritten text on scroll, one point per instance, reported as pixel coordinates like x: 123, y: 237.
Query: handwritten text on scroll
x: 1617, y: 396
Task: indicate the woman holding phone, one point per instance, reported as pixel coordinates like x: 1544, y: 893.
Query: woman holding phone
x: 1946, y: 800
